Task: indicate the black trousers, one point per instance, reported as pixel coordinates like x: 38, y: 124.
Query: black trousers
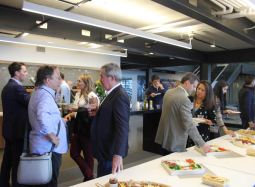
x: 13, y: 150
x: 245, y: 123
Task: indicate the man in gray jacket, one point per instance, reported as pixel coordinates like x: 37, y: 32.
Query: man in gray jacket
x: 176, y: 121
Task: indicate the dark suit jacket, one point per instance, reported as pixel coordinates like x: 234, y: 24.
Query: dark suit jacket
x: 15, y: 101
x: 110, y: 127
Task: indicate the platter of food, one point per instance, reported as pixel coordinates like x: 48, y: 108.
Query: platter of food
x: 216, y: 150
x: 244, y: 142
x: 213, y: 180
x: 248, y: 133
x: 182, y: 167
x: 251, y: 152
x: 132, y: 183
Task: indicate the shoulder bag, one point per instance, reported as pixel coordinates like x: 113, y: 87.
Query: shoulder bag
x: 35, y: 169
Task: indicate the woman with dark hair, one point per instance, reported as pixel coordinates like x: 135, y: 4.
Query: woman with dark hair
x: 220, y: 90
x: 205, y: 105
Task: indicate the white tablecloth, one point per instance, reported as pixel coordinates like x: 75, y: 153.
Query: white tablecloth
x: 240, y: 170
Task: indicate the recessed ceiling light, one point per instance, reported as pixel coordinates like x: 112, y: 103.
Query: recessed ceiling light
x: 85, y: 33
x: 212, y: 45
x: 151, y: 53
x: 108, y: 36
x: 43, y: 26
x: 25, y: 34
x: 83, y: 43
x: 120, y: 41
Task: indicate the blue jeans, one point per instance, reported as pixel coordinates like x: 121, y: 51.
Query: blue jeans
x: 104, y: 168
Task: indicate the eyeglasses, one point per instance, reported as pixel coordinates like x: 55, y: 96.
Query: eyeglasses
x: 79, y: 81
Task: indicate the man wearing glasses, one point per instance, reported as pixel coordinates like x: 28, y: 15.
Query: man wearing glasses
x: 44, y: 117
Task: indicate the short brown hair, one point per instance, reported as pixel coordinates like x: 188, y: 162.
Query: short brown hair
x: 62, y: 75
x: 154, y: 77
x: 248, y: 80
x: 189, y: 76
x: 15, y: 66
x: 43, y: 73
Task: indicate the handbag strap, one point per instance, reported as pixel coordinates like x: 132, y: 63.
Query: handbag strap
x: 53, y: 145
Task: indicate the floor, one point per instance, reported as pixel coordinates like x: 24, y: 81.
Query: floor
x: 70, y: 173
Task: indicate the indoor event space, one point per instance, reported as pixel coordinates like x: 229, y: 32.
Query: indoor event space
x: 127, y: 93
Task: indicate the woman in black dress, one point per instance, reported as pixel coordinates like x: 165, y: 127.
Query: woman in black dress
x: 204, y: 104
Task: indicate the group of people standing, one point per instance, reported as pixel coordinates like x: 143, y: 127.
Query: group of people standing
x: 100, y: 130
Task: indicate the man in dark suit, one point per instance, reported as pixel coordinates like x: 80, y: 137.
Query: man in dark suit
x: 110, y: 127
x: 15, y: 116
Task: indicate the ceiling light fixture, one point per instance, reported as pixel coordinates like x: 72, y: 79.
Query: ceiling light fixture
x: 56, y: 46
x: 24, y: 34
x: 151, y: 53
x: 213, y: 44
x: 31, y: 7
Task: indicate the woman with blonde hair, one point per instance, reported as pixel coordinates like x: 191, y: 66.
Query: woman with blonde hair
x: 81, y: 140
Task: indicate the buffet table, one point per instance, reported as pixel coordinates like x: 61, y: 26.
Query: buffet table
x: 239, y: 169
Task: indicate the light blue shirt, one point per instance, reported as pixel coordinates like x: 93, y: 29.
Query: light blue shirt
x: 63, y: 90
x: 17, y: 81
x: 44, y: 117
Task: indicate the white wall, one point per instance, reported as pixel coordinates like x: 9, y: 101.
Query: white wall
x: 28, y: 54
x: 133, y: 75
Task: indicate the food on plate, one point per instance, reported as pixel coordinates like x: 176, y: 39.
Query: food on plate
x: 179, y: 164
x: 216, y: 148
x: 245, y: 140
x: 140, y: 184
x: 251, y: 132
x: 214, y: 180
x: 251, y: 152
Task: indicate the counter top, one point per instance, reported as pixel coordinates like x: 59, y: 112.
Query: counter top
x: 135, y: 112
x: 240, y: 170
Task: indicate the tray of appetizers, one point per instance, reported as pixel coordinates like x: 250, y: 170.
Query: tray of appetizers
x: 216, y: 150
x: 244, y: 142
x: 251, y: 152
x: 132, y: 183
x: 248, y: 133
x: 213, y: 180
x: 182, y: 167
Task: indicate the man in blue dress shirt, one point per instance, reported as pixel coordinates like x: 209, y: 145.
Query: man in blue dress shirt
x: 63, y: 90
x: 44, y: 117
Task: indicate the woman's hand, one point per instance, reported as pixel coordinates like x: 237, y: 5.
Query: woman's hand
x: 230, y: 133
x: 68, y: 117
x: 230, y: 111
x: 73, y: 109
x: 208, y: 122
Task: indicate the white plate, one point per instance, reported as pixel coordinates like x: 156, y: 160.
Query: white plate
x: 157, y: 93
x: 246, y: 146
x: 236, y: 112
x: 198, y: 120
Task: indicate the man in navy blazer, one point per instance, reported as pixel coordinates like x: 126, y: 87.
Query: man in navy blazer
x: 15, y: 101
x: 110, y: 127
